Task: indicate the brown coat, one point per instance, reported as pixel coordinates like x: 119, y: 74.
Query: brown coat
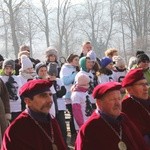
x: 4, y: 108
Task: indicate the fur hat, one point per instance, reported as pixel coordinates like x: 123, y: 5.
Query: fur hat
x: 92, y: 55
x: 119, y: 61
x: 8, y: 62
x: 105, y: 61
x: 51, y: 51
x: 25, y: 63
x: 52, y: 69
x: 39, y: 65
x: 83, y: 81
x: 101, y: 89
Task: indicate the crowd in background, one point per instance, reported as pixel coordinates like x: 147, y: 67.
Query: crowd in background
x: 73, y: 82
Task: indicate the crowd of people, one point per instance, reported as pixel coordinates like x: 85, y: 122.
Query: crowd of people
x: 107, y: 99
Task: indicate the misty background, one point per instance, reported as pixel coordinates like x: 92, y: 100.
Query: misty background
x: 66, y: 24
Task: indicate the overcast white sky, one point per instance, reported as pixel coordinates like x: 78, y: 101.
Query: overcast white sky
x: 54, y: 2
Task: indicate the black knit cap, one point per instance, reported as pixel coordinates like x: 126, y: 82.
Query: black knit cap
x: 142, y: 57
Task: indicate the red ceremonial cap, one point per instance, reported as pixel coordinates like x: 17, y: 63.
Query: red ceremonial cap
x: 133, y: 76
x: 101, y: 89
x: 34, y: 87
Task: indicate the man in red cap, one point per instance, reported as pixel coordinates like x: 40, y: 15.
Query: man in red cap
x: 34, y: 128
x: 137, y: 104
x: 108, y: 128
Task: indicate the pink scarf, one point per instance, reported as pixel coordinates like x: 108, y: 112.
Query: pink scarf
x: 79, y: 88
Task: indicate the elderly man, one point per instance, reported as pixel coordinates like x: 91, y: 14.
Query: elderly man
x: 34, y: 129
x: 137, y: 104
x: 108, y: 128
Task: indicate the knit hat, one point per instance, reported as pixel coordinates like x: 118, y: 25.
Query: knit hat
x: 119, y: 61
x: 52, y: 69
x: 25, y: 63
x: 51, y: 51
x: 139, y: 53
x: 142, y: 57
x: 39, y: 65
x: 8, y: 62
x: 105, y: 61
x: 83, y: 81
x: 92, y: 55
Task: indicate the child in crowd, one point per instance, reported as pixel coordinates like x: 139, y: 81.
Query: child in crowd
x: 58, y: 93
x: 13, y: 84
x: 120, y: 69
x: 81, y: 105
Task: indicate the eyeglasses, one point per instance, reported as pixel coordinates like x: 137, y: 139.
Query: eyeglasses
x: 142, y: 84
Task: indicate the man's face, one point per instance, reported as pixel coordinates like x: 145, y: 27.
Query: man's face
x: 139, y: 89
x: 41, y: 102
x: 110, y: 103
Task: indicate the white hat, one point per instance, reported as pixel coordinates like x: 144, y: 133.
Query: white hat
x: 92, y: 55
x: 26, y: 62
x: 119, y: 61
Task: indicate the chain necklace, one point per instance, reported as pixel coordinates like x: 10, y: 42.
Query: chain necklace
x: 142, y: 106
x: 51, y: 139
x: 121, y: 144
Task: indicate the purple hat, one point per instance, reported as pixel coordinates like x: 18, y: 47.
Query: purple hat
x: 105, y: 61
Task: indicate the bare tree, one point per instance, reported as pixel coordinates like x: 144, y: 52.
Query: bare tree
x: 13, y: 7
x: 96, y: 23
x: 62, y: 13
x: 4, y: 26
x: 138, y: 13
x: 46, y: 20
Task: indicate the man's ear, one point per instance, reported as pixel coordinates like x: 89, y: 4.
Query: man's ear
x: 27, y: 101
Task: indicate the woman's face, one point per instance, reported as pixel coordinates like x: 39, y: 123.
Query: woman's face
x: 52, y: 58
x: 75, y: 61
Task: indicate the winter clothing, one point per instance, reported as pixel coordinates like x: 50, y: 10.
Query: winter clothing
x: 51, y: 51
x: 92, y: 55
x: 25, y: 63
x: 8, y: 62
